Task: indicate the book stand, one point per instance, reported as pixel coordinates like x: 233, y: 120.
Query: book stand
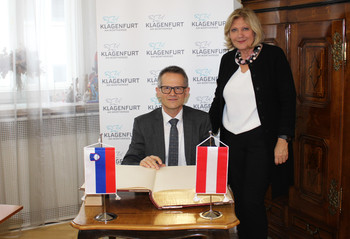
x: 211, y: 214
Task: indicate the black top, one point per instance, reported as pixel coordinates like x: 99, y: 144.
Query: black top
x: 273, y: 86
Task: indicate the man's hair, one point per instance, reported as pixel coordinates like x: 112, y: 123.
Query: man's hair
x: 172, y: 69
x: 251, y: 19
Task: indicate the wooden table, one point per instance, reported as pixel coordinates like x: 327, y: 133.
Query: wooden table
x: 7, y: 211
x: 137, y: 217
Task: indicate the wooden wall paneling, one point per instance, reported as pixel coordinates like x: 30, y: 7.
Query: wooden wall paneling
x: 274, y: 17
x: 275, y: 34
x: 263, y: 4
x: 344, y: 224
x: 314, y: 14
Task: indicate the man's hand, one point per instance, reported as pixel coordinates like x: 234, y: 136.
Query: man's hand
x: 152, y: 162
x: 281, y: 151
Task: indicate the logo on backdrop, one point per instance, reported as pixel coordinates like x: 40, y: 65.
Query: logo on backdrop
x: 119, y: 155
x: 204, y: 76
x: 112, y: 78
x: 154, y: 104
x: 112, y: 24
x: 116, y: 132
x: 112, y: 51
x: 153, y: 77
x: 158, y: 49
x: 203, y: 21
x: 158, y: 23
x: 203, y: 48
x: 203, y: 103
x: 113, y: 105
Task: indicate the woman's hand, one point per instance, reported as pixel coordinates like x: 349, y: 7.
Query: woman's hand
x: 281, y: 151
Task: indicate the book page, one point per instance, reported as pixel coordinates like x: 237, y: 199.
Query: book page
x: 175, y: 177
x: 135, y: 177
x: 176, y: 198
x: 175, y: 186
x: 171, y: 186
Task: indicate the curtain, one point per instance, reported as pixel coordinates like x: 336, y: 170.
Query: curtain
x: 48, y: 106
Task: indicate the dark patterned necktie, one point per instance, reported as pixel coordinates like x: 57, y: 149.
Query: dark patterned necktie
x: 173, y: 144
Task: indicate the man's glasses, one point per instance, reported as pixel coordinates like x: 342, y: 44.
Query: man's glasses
x: 168, y: 89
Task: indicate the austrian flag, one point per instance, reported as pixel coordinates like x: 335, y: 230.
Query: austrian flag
x: 212, y: 163
x: 100, y: 173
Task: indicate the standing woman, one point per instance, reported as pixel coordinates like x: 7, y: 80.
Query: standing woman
x: 254, y: 109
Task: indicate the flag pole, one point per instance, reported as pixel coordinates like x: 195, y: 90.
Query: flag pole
x: 104, y: 216
x: 211, y: 214
x: 211, y: 138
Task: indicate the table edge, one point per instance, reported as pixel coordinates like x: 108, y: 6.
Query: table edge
x: 152, y: 228
x: 19, y: 208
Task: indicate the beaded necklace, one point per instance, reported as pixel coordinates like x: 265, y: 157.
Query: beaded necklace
x: 252, y: 57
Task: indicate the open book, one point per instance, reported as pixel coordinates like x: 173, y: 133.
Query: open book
x: 168, y: 187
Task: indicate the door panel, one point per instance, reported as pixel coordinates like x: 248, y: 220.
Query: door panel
x: 319, y: 119
x: 275, y: 34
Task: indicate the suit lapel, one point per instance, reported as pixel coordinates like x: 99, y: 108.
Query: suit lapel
x: 187, y: 135
x: 158, y: 130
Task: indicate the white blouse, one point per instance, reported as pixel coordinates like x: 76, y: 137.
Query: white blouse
x: 240, y: 111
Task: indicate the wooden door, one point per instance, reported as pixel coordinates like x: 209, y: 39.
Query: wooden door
x: 315, y: 48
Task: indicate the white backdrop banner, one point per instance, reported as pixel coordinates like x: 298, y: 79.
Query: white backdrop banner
x: 136, y: 39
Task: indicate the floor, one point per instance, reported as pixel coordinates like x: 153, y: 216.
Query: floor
x: 57, y: 231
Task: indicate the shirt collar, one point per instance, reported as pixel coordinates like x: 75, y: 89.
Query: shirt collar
x: 167, y: 117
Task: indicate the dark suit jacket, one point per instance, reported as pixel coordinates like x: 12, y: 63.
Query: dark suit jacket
x: 275, y: 97
x: 148, y: 135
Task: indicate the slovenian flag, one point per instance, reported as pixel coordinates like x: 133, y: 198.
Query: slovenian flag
x: 100, y: 173
x: 211, y: 176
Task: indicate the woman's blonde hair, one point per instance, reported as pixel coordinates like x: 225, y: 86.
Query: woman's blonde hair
x: 251, y: 19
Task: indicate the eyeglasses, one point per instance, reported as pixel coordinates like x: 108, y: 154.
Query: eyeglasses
x: 177, y: 89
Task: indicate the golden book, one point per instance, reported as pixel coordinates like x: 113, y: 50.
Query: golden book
x: 168, y: 187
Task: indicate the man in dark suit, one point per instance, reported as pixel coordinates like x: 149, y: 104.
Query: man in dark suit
x: 149, y: 145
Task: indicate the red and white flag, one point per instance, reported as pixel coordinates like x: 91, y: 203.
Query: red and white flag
x: 211, y: 176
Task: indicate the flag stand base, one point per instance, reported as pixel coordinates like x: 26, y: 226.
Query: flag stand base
x: 105, y: 216
x: 211, y: 214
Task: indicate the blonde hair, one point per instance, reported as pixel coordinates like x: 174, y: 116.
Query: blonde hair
x: 251, y: 19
